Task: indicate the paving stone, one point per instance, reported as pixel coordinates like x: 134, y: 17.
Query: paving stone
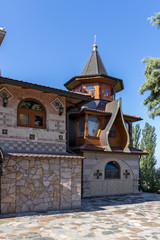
x: 126, y: 217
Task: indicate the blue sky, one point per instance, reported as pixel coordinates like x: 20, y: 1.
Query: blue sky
x: 48, y: 42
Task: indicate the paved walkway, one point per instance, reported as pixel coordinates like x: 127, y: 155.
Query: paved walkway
x: 121, y: 217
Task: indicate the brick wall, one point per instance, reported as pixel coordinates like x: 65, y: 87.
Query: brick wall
x: 16, y: 138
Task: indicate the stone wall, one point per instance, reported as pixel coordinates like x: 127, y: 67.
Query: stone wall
x: 93, y: 186
x: 14, y: 138
x: 40, y: 184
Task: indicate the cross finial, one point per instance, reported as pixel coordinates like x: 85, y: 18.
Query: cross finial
x: 95, y: 45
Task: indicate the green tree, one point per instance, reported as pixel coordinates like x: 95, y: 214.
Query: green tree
x: 155, y: 20
x: 152, y: 83
x: 136, y: 133
x: 147, y: 162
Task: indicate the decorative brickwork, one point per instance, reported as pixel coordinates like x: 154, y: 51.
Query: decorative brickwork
x: 18, y: 138
x: 40, y: 184
x: 34, y: 147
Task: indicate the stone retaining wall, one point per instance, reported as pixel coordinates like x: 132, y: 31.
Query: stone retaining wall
x: 40, y: 184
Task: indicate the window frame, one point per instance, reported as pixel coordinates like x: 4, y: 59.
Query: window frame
x: 91, y: 91
x: 98, y: 131
x: 112, y: 170
x: 31, y: 113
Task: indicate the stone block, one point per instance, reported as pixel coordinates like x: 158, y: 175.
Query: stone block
x: 31, y: 186
x: 46, y: 183
x: 18, y: 176
x: 56, y: 181
x: 76, y: 204
x: 9, y: 170
x: 39, y: 172
x: 9, y: 199
x: 25, y: 190
x: 31, y: 164
x: 8, y: 208
x: 21, y: 182
x: 24, y: 164
x: 41, y: 207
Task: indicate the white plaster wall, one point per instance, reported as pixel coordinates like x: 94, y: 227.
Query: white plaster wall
x: 102, y: 186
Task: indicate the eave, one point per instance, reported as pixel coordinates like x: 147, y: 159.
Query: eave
x: 132, y: 118
x: 78, y: 97
x: 101, y: 149
x: 76, y: 80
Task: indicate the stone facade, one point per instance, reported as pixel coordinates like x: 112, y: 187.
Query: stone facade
x: 40, y: 184
x: 94, y: 163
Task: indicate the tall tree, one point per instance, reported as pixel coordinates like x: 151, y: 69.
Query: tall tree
x: 152, y: 83
x: 148, y: 162
x: 155, y: 20
x: 136, y: 133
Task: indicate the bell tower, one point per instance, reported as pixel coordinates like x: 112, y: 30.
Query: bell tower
x: 94, y: 79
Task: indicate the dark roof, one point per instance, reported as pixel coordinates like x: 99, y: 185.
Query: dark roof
x: 81, y: 96
x: 132, y: 117
x: 91, y: 147
x: 94, y: 65
x: 2, y: 35
x: 95, y: 110
x: 94, y: 68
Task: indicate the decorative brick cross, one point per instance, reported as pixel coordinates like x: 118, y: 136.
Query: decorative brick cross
x: 57, y: 125
x: 126, y: 174
x: 98, y: 174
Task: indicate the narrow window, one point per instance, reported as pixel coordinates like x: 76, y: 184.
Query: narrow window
x: 127, y: 125
x: 81, y: 126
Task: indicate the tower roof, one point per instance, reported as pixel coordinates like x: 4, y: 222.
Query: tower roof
x: 94, y: 65
x: 2, y: 34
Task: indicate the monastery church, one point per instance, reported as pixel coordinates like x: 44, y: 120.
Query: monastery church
x: 57, y: 146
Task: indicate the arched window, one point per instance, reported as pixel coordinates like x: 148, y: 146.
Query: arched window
x: 31, y: 113
x: 112, y: 170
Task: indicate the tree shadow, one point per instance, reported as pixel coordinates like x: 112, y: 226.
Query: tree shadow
x: 93, y: 204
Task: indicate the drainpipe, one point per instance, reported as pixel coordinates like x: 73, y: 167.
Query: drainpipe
x: 73, y: 111
x: 76, y: 109
x: 1, y: 173
x: 139, y: 172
